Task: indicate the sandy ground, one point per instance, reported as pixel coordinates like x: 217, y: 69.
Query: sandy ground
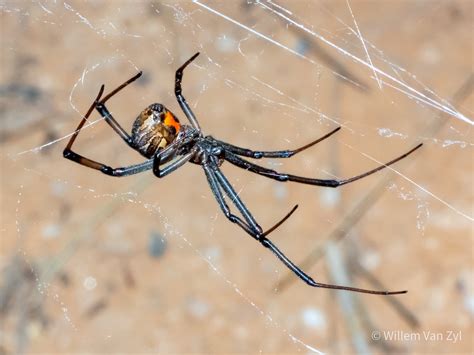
x: 96, y: 264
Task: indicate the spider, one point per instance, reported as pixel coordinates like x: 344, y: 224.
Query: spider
x: 158, y: 135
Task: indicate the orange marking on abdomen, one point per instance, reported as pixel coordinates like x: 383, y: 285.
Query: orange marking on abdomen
x: 170, y: 120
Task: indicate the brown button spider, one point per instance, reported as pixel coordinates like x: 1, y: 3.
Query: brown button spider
x: 159, y: 137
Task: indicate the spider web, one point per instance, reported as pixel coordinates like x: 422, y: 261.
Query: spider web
x: 87, y: 259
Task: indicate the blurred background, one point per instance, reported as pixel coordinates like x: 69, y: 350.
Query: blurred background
x: 91, y: 263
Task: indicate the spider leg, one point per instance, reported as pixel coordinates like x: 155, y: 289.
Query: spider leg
x: 250, y: 226
x: 273, y: 154
x: 171, y: 167
x: 272, y: 174
x: 253, y: 231
x: 120, y: 87
x: 122, y: 171
x: 309, y: 280
x: 181, y: 100
x: 104, y: 112
x: 217, y: 180
x: 83, y: 121
x: 164, y: 155
x: 99, y: 105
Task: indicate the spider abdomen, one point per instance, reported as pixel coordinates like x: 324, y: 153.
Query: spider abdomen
x: 154, y: 128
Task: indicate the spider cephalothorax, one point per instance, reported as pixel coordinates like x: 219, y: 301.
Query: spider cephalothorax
x: 158, y: 135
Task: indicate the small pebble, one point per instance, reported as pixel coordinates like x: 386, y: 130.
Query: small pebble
x: 313, y: 318
x: 90, y: 283
x: 156, y: 245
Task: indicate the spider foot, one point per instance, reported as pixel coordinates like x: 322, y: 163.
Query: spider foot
x: 278, y: 224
